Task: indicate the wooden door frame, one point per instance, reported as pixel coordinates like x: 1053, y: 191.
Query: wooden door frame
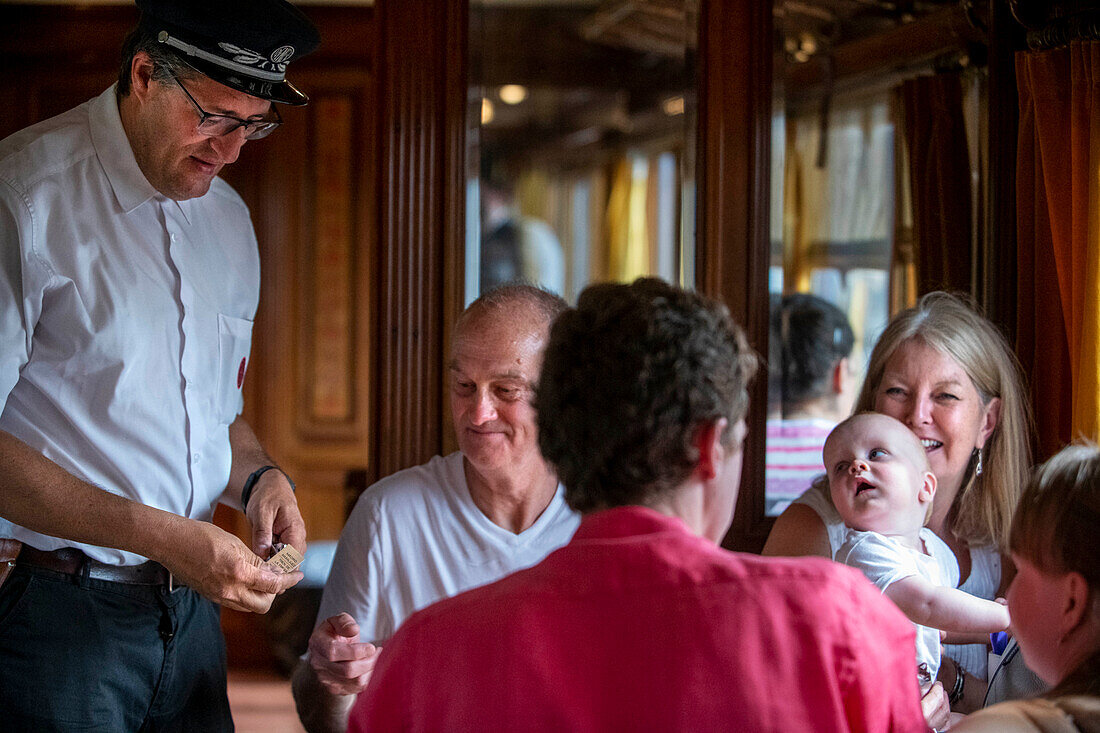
x: 731, y: 221
x: 731, y: 256
x: 421, y: 104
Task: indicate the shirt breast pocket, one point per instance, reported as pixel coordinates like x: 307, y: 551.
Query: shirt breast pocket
x: 234, y: 344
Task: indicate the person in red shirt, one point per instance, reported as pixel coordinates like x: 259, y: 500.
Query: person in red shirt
x: 642, y: 622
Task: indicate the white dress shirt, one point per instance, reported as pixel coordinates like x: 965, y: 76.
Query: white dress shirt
x: 125, y: 318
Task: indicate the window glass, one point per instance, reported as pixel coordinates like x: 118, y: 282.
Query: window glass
x: 832, y: 225
x: 579, y: 142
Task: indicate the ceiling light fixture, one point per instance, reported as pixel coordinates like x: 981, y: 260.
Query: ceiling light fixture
x: 512, y: 93
x: 673, y: 106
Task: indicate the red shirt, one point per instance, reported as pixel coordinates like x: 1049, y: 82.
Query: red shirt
x: 638, y: 624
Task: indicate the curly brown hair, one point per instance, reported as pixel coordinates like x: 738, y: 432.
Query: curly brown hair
x: 629, y: 375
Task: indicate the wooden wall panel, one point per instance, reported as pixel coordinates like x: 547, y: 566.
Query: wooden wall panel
x: 455, y: 169
x: 312, y: 193
x: 55, y: 57
x: 329, y: 328
x: 311, y: 189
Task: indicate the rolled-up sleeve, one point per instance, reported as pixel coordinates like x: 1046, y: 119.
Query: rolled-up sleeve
x: 20, y: 286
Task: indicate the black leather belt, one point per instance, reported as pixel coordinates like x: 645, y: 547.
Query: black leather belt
x: 72, y: 561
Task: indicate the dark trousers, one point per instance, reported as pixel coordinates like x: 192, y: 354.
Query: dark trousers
x: 79, y: 654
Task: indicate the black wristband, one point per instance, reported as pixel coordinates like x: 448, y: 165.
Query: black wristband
x: 960, y: 679
x: 253, y: 477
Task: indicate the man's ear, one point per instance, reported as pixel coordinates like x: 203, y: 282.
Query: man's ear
x: 708, y: 446
x: 141, y: 74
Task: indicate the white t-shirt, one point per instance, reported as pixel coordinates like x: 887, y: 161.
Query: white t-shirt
x: 886, y: 560
x: 417, y: 537
x: 125, y: 318
x: 983, y: 581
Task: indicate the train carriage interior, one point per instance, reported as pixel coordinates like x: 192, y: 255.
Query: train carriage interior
x: 863, y: 151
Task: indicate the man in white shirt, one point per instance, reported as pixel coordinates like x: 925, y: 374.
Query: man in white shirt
x: 129, y: 278
x: 454, y: 523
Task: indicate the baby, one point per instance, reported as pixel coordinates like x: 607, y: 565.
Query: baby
x: 882, y: 488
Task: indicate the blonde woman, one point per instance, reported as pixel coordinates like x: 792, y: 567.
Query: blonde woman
x: 946, y: 373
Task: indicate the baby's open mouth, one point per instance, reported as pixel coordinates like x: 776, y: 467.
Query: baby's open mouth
x: 863, y: 486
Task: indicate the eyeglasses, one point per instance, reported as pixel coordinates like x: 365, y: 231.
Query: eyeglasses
x: 218, y: 125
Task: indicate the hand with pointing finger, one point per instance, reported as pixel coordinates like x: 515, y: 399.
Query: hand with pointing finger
x: 342, y: 663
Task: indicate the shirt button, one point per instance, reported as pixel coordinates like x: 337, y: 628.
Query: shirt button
x: 196, y: 456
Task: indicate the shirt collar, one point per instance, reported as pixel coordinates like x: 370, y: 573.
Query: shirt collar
x: 112, y: 147
x: 627, y: 521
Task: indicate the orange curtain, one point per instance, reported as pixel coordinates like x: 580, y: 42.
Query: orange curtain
x: 628, y: 239
x: 939, y: 170
x: 1058, y: 205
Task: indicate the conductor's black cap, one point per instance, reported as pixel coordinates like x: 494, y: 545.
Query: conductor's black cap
x: 243, y: 44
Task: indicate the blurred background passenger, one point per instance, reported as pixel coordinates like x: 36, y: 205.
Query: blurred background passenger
x: 817, y: 386
x: 1054, y: 599
x: 516, y: 247
x: 641, y: 622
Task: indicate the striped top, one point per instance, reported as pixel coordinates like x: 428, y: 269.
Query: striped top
x: 793, y: 459
x: 983, y: 581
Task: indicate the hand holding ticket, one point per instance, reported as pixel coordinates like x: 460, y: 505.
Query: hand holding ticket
x: 285, y: 558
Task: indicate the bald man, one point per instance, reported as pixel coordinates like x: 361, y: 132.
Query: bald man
x: 454, y: 523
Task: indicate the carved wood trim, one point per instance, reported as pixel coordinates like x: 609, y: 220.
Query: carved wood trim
x: 454, y: 174
x: 412, y: 39
x: 732, y: 240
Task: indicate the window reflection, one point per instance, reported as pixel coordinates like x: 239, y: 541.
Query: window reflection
x: 816, y: 386
x: 514, y: 245
x: 580, y: 126
x: 835, y: 216
x: 843, y: 174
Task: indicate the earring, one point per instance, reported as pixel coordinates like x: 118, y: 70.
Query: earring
x: 978, y: 465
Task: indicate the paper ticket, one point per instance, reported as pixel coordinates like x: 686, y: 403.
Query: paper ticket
x: 285, y: 560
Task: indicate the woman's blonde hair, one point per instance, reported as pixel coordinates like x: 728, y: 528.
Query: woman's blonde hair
x: 983, y: 508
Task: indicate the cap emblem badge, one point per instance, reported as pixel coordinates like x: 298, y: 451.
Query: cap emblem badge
x: 251, y: 58
x: 282, y: 54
